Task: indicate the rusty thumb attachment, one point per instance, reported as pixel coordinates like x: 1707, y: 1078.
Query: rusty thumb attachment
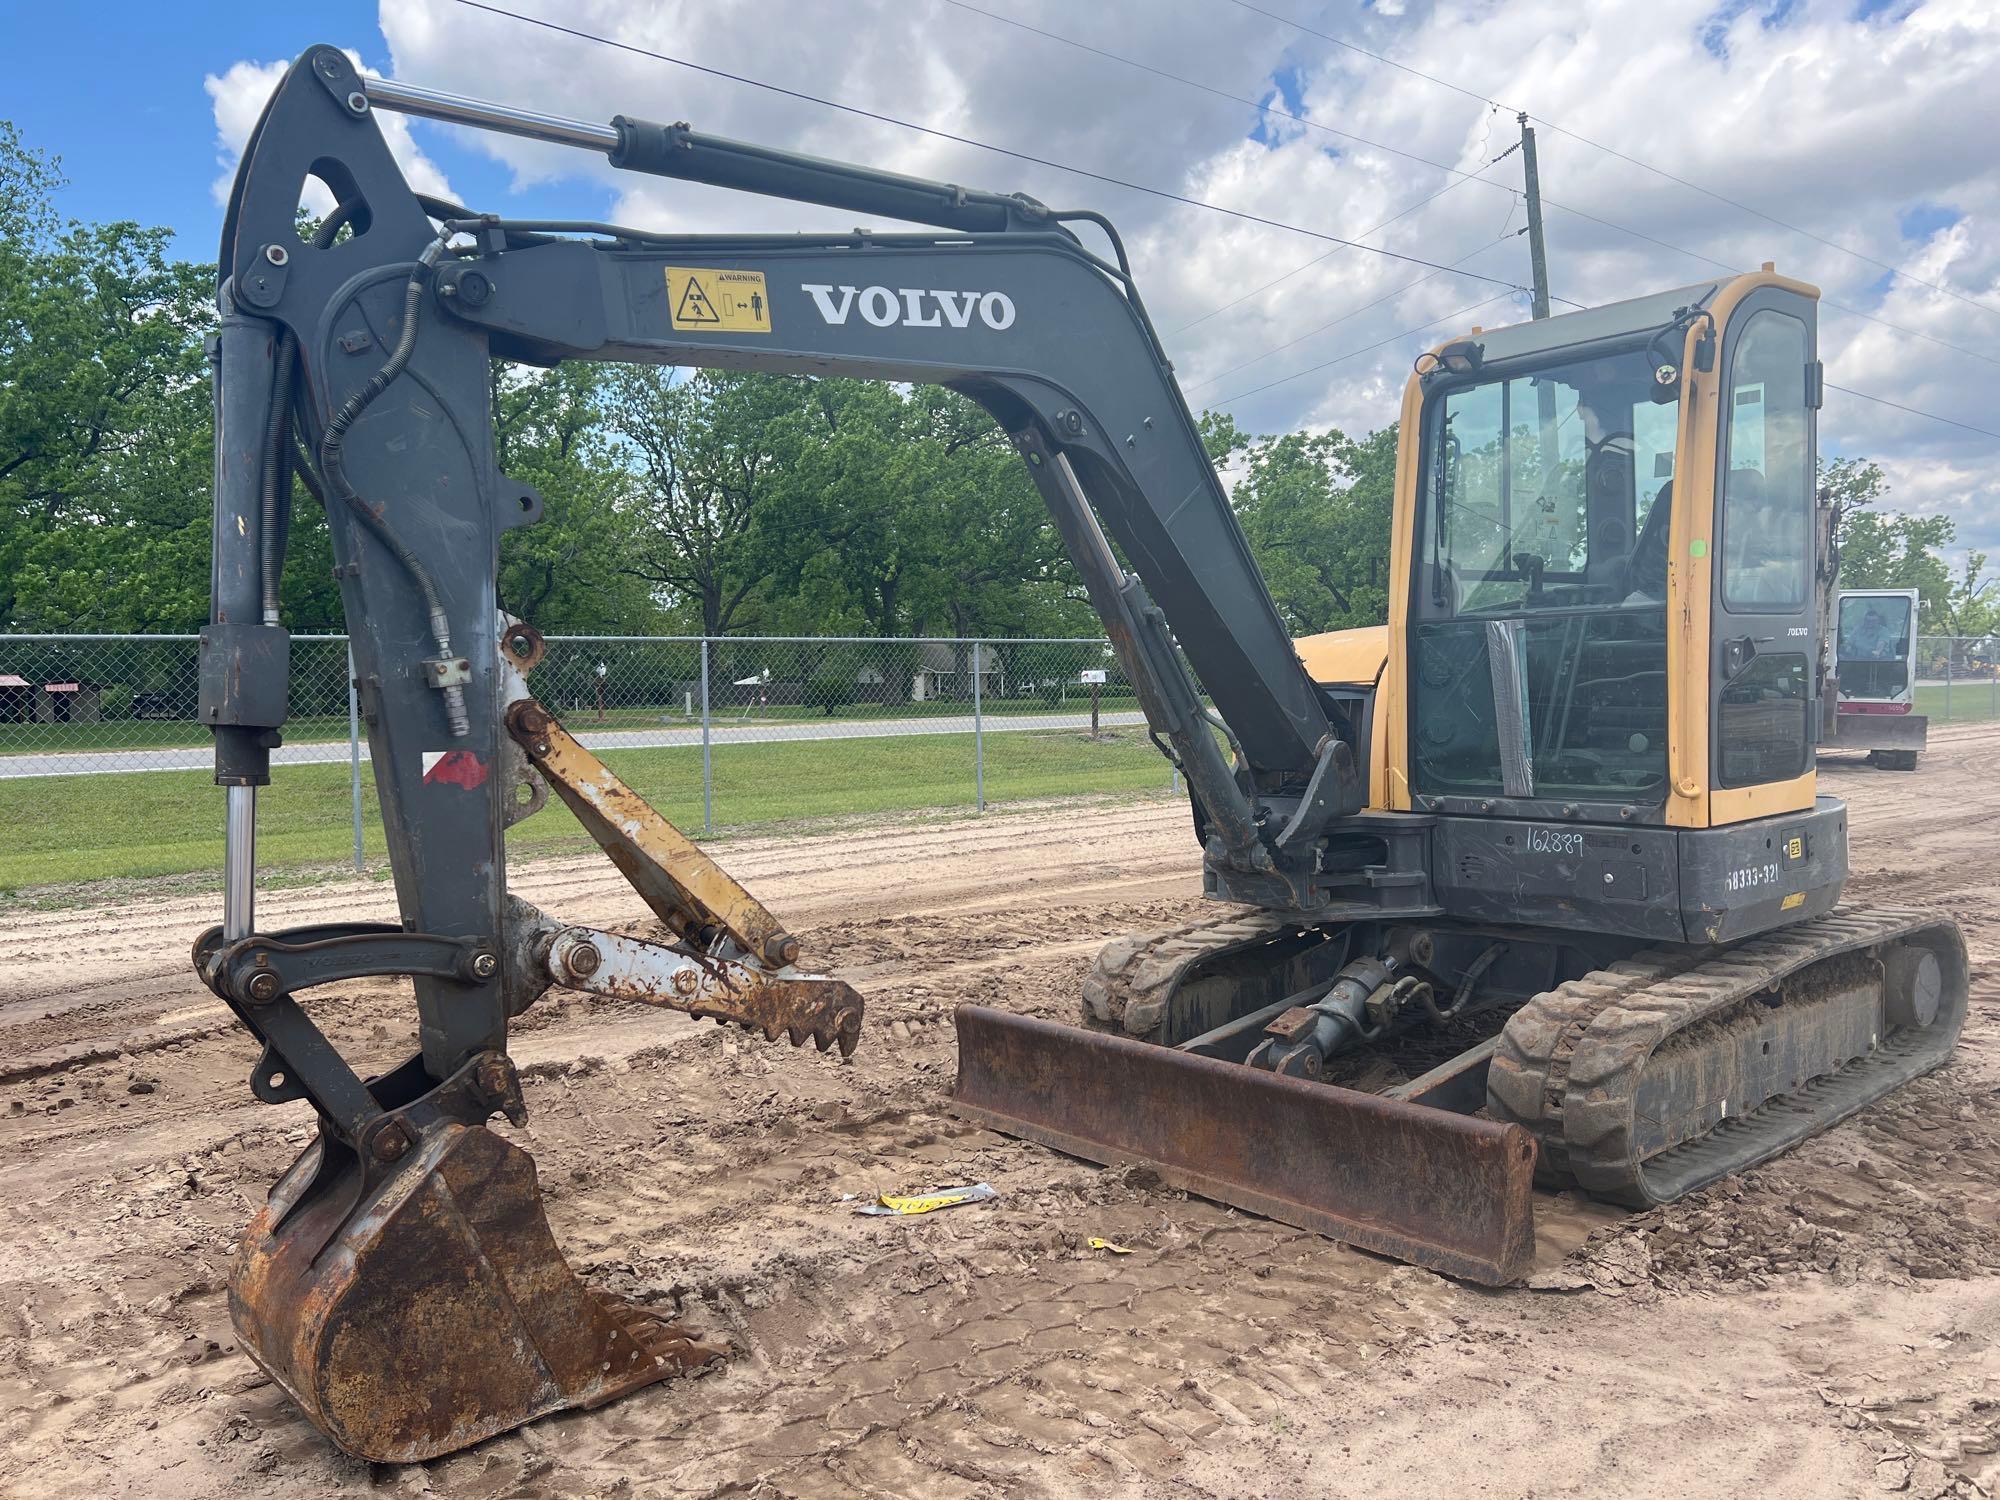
x: 417, y: 1308
x: 1441, y: 1190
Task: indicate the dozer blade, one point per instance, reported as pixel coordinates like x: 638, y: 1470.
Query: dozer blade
x: 432, y: 1309
x: 1441, y: 1190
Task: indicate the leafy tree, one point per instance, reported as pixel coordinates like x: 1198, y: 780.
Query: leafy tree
x: 906, y: 512
x: 103, y: 416
x: 707, y: 454
x: 576, y: 569
x: 1884, y: 550
x: 1316, y: 510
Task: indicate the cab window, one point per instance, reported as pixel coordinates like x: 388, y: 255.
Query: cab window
x: 1767, y: 493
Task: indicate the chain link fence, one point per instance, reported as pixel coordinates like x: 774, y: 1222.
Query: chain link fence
x: 718, y: 732
x: 1958, y: 676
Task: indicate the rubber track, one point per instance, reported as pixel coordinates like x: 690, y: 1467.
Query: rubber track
x: 1569, y: 1063
x: 1130, y: 983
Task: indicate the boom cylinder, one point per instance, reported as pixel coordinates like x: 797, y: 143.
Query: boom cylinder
x: 244, y: 657
x: 680, y: 151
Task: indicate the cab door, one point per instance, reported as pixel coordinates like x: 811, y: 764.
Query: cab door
x: 1763, y: 623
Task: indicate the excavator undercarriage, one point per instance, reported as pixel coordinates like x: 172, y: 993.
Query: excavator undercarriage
x: 1637, y: 1078
x: 1535, y: 885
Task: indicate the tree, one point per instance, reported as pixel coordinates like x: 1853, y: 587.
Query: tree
x: 1881, y: 550
x: 907, y: 512
x: 576, y: 569
x: 103, y: 416
x: 707, y: 454
x: 1316, y: 509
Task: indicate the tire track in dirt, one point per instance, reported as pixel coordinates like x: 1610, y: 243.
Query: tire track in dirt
x: 989, y: 1351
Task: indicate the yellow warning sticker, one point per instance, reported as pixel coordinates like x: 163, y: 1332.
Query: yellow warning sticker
x: 702, y: 299
x: 1793, y: 901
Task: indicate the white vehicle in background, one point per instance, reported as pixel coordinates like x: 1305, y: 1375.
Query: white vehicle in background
x: 1875, y: 675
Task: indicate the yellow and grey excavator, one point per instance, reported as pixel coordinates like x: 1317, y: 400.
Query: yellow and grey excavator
x: 1532, y: 881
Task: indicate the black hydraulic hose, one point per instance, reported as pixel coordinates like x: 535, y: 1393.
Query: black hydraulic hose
x: 275, y: 508
x: 333, y: 476
x: 1473, y: 972
x: 276, y: 479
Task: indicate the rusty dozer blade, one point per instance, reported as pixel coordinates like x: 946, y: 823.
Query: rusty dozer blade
x: 429, y: 1308
x: 1441, y: 1190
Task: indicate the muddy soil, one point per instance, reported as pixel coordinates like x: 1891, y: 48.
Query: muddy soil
x: 1828, y: 1324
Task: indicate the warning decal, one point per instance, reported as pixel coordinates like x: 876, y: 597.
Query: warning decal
x: 704, y: 300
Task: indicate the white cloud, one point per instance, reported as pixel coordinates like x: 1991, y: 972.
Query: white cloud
x: 238, y: 96
x: 1816, y: 117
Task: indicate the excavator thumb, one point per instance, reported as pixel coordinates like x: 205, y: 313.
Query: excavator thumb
x: 440, y: 1312
x: 1425, y: 1185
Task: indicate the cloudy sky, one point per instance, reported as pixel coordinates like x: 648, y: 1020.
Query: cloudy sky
x: 1852, y: 143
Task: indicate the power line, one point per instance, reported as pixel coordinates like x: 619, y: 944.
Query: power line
x: 964, y: 140
x: 1862, y: 256
x: 1913, y: 411
x: 1344, y: 317
x: 1723, y: 265
x: 1461, y: 177
x: 1195, y: 83
x: 1445, y: 83
x: 1433, y: 266
x: 1324, y: 255
x: 1367, y: 348
x: 1379, y: 57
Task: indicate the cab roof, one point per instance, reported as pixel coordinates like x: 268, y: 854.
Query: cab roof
x: 1611, y: 323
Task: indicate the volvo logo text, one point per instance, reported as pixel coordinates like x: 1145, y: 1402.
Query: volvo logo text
x: 912, y: 307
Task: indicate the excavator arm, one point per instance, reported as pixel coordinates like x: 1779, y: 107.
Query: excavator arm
x: 359, y: 361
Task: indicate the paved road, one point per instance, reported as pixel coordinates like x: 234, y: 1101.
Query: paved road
x: 765, y: 732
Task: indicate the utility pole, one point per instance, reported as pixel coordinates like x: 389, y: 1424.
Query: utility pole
x: 1550, y: 444
x: 1538, y: 255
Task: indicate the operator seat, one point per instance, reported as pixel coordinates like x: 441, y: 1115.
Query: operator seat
x: 1646, y: 570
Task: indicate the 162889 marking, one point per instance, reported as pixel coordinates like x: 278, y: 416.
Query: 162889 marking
x: 1554, y: 841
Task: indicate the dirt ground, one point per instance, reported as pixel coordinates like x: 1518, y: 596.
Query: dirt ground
x: 1826, y: 1325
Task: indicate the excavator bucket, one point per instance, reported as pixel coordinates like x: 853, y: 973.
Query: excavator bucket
x: 429, y: 1308
x: 1425, y: 1185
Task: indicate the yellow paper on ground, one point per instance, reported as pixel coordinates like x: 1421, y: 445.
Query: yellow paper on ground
x: 928, y: 1202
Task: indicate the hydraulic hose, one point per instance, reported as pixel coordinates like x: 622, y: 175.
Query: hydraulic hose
x: 277, y: 475
x: 333, y: 476
x: 276, y: 490
x: 1463, y: 995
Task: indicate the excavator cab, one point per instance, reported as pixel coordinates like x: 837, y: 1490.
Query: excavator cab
x: 1579, y: 487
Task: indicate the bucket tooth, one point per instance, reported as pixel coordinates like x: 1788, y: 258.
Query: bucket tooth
x: 429, y: 1308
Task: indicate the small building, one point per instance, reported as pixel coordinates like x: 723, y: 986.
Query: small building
x: 17, y: 699
x: 945, y: 671
x: 69, y: 703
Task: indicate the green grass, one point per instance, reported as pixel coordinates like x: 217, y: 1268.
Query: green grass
x: 180, y: 734
x: 69, y: 829
x: 1978, y: 699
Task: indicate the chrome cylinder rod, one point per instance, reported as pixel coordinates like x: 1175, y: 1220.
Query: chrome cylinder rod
x: 239, y: 865
x: 454, y: 109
